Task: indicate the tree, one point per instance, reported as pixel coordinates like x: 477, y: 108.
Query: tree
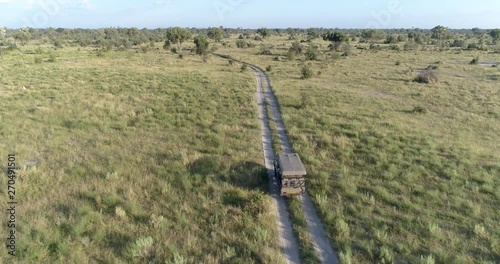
x: 495, y: 34
x: 312, y: 33
x: 178, y: 36
x: 23, y: 35
x: 264, y: 32
x: 201, y: 45
x: 440, y: 33
x: 292, y: 33
x: 477, y: 31
x: 372, y: 34
x: 217, y: 34
x: 335, y: 37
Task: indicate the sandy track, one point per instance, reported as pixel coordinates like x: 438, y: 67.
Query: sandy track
x: 315, y: 226
x: 266, y: 99
x: 288, y: 241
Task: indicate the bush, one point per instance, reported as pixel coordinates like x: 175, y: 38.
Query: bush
x: 427, y: 76
x: 167, y: 45
x: 346, y: 50
x: 474, y: 61
x: 265, y: 50
x: 244, y: 67
x: 52, y: 58
x: 312, y: 53
x: 398, y: 63
x: 201, y: 45
x: 473, y: 46
x: 296, y: 48
x: 269, y: 68
x: 458, y: 43
x: 174, y: 50
x: 242, y: 44
x: 306, y: 72
x: 290, y: 56
x: 38, y: 60
x: 419, y: 110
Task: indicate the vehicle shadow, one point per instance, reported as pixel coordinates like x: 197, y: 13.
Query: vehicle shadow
x: 246, y: 174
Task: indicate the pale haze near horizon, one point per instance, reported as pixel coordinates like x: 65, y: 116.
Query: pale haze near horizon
x: 250, y: 13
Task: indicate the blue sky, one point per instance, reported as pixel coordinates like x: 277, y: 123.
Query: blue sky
x: 250, y: 13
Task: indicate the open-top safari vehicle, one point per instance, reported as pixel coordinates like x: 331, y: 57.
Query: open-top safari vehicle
x: 290, y: 172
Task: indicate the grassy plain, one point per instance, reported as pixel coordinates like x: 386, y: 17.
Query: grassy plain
x: 401, y: 172
x: 132, y: 157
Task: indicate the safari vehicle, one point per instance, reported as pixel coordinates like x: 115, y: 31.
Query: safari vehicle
x: 290, y: 172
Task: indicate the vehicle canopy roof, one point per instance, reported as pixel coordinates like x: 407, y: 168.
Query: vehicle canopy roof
x: 291, y: 165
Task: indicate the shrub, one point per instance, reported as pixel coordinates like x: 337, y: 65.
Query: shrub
x: 306, y: 72
x: 427, y: 76
x: 419, y: 110
x: 296, y: 48
x: 458, y: 43
x: 265, y: 50
x: 395, y: 47
x: 473, y: 46
x: 290, y: 56
x: 167, y: 45
x: 52, y: 58
x: 144, y: 49
x: 346, y: 50
x: 174, y: 50
x: 398, y: 63
x: 244, y: 67
x: 38, y: 60
x: 241, y: 44
x: 258, y: 38
x: 312, y: 53
x: 474, y: 61
x: 201, y: 45
x: 100, y: 53
x: 335, y: 46
x: 269, y: 68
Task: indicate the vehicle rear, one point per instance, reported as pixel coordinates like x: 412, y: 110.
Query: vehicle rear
x: 290, y: 173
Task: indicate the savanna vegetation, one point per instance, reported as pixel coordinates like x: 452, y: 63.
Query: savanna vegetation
x: 399, y: 136
x: 131, y: 152
x: 133, y: 157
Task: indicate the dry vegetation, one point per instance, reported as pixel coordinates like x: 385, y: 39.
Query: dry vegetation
x: 132, y: 157
x: 401, y: 171
x: 142, y: 155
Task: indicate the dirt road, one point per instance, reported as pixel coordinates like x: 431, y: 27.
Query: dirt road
x: 315, y: 226
x: 288, y: 241
x: 267, y: 100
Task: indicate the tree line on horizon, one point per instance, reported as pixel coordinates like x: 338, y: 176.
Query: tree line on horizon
x: 176, y: 36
